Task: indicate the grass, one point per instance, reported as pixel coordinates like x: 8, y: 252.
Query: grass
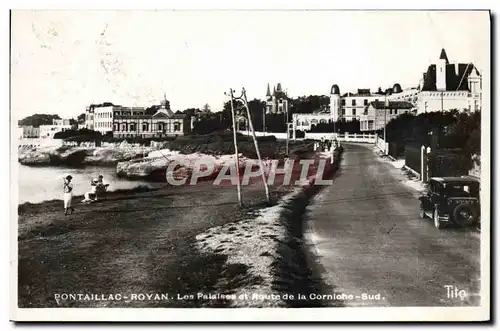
x: 133, y: 242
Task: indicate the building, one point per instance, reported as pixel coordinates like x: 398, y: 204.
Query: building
x: 48, y: 131
x: 350, y: 106
x: 378, y: 113
x: 61, y: 122
x: 447, y: 86
x: 126, y: 122
x: 28, y: 131
x: 304, y: 122
x: 276, y: 103
x: 89, y: 118
x: 160, y: 124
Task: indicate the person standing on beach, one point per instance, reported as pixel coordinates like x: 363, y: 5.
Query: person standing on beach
x: 68, y: 195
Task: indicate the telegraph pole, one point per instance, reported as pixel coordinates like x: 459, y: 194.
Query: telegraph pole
x: 261, y: 164
x: 236, y: 150
x: 385, y: 118
x: 287, y: 137
x: 264, y: 121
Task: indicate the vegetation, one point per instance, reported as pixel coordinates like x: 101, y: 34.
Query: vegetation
x: 39, y: 119
x: 445, y: 130
x: 78, y: 135
x: 341, y: 126
x: 454, y: 137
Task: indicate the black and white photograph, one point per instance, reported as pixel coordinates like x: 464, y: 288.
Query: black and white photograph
x: 253, y: 161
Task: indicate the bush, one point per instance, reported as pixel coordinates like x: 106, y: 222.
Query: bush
x: 451, y: 162
x: 412, y: 157
x: 78, y: 135
x: 300, y: 134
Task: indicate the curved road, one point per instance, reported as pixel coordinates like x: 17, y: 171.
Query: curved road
x: 367, y: 234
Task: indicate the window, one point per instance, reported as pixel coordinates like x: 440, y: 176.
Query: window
x: 177, y: 126
x: 145, y: 126
x: 366, y: 102
x: 124, y: 126
x: 132, y: 126
x: 395, y: 111
x: 370, y: 125
x: 354, y: 102
x: 353, y: 112
x: 343, y: 111
x: 342, y: 102
x: 115, y: 127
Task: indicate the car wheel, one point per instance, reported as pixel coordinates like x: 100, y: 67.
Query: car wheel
x: 465, y: 215
x: 437, y: 221
x: 422, y: 212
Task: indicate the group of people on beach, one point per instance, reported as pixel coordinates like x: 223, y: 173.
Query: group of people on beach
x: 97, y: 187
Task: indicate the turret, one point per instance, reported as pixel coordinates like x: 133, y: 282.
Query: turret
x: 335, y: 103
x: 441, y: 71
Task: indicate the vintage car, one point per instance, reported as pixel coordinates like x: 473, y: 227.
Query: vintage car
x: 451, y: 200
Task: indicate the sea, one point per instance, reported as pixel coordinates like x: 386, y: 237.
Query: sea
x: 37, y: 184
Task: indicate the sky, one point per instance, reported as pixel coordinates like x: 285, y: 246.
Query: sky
x: 63, y: 61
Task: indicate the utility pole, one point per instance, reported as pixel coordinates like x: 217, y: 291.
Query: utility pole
x: 261, y: 164
x: 287, y: 137
x: 236, y: 150
x: 385, y: 118
x: 264, y: 121
x: 442, y: 101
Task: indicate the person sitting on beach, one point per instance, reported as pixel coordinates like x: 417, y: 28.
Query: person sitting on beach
x: 101, y: 188
x: 92, y: 193
x: 68, y: 195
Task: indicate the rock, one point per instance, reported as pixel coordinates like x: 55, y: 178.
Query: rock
x: 77, y: 156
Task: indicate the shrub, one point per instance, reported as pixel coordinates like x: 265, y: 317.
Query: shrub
x: 450, y: 162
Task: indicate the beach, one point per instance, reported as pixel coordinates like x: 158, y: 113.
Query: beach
x: 133, y: 242
x: 137, y: 241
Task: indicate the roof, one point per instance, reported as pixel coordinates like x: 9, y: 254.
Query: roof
x: 443, y: 56
x: 455, y: 80
x: 392, y: 105
x: 268, y: 94
x: 335, y: 89
x: 463, y: 179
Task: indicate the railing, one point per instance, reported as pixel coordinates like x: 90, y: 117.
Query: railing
x: 347, y: 137
x: 382, y: 145
x: 278, y: 135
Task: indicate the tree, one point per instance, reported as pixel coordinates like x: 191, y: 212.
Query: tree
x: 257, y: 110
x: 39, y: 119
x: 81, y: 118
x: 206, y: 108
x: 191, y: 111
x: 225, y: 116
x: 309, y: 104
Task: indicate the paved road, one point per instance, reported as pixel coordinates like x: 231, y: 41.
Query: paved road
x: 369, y: 238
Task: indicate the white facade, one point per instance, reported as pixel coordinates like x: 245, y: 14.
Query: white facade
x: 304, y: 122
x: 28, y: 131
x: 377, y: 115
x: 430, y: 101
x: 48, y: 131
x: 103, y: 119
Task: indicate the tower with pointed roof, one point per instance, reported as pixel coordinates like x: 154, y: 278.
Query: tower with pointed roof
x: 277, y: 102
x: 441, y: 64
